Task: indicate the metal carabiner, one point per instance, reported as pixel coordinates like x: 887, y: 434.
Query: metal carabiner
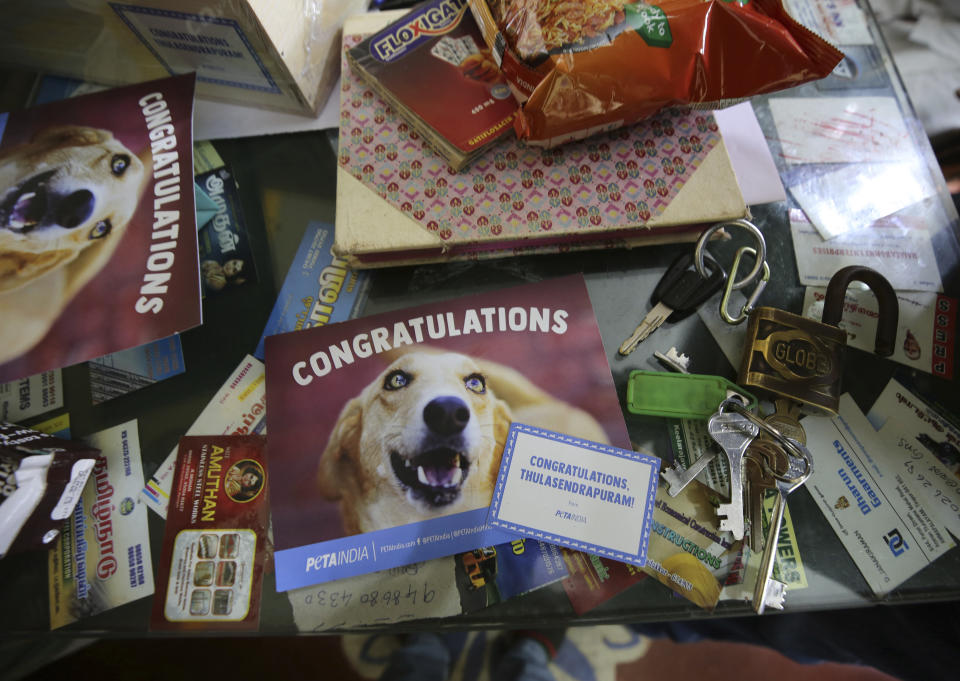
x: 729, y: 287
x: 758, y: 240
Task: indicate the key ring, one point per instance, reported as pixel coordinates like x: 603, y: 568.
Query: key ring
x: 761, y: 248
x: 791, y: 447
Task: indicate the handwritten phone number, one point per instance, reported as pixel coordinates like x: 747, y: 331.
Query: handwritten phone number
x: 377, y: 597
x: 925, y: 482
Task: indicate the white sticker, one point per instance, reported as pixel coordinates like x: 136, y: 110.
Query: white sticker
x: 214, y: 47
x: 78, y: 479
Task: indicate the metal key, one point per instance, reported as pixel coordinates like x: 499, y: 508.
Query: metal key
x: 678, y: 293
x: 769, y: 592
x: 674, y: 360
x: 678, y: 477
x: 761, y: 459
x: 734, y: 433
x: 786, y: 420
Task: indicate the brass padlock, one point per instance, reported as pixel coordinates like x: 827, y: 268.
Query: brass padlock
x: 789, y: 356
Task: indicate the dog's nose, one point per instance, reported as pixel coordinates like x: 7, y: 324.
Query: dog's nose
x: 446, y: 415
x: 75, y: 209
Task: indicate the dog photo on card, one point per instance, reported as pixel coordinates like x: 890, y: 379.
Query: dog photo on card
x: 387, y: 432
x: 98, y: 242
x: 98, y: 239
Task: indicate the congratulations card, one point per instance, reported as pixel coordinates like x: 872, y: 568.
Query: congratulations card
x: 580, y: 494
x: 98, y: 238
x: 386, y: 432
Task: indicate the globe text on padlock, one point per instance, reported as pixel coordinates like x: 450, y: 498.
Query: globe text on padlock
x: 789, y: 356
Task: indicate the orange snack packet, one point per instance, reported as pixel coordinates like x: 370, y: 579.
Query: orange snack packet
x: 585, y: 66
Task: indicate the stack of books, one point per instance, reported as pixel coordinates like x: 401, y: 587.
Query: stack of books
x: 400, y: 200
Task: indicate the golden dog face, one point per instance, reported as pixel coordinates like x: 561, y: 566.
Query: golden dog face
x: 424, y: 439
x: 66, y: 190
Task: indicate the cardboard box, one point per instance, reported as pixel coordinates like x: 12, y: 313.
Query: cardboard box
x: 272, y: 54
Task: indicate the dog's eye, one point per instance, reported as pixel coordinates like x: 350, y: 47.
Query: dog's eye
x: 100, y: 230
x: 396, y: 380
x: 119, y: 164
x: 475, y: 383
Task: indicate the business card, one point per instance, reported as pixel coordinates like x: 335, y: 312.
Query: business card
x: 580, y: 494
x: 923, y: 447
x: 876, y: 512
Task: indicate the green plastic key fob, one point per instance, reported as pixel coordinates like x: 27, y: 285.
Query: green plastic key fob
x: 685, y: 396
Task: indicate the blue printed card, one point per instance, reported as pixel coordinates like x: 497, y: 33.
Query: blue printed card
x: 319, y: 288
x: 583, y: 495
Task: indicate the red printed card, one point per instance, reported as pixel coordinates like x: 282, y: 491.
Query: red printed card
x: 211, y: 564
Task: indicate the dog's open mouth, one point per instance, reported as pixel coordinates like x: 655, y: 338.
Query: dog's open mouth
x: 434, y: 476
x: 24, y: 205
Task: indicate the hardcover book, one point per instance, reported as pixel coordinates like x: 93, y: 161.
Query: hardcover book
x: 399, y: 202
x: 432, y: 67
x: 386, y: 431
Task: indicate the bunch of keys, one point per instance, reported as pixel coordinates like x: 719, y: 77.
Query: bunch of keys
x: 760, y: 457
x: 782, y: 464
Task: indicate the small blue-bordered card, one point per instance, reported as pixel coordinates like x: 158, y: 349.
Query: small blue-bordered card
x: 584, y: 495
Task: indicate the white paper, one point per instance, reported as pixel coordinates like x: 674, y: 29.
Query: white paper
x: 853, y: 197
x: 30, y: 396
x: 925, y: 448
x: 899, y: 247
x: 219, y: 120
x: 417, y: 591
x: 939, y: 34
x: 841, y: 129
x: 876, y: 514
x: 925, y: 336
x: 750, y: 155
x: 239, y: 407
x: 840, y: 22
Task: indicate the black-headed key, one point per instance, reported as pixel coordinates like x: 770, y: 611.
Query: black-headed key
x: 679, y: 292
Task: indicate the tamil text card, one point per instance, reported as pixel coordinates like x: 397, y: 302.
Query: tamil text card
x: 238, y: 408
x: 841, y: 22
x: 31, y: 396
x: 898, y: 246
x: 926, y: 332
x: 102, y: 557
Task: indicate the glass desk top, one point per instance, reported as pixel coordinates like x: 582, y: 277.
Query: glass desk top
x: 287, y: 181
